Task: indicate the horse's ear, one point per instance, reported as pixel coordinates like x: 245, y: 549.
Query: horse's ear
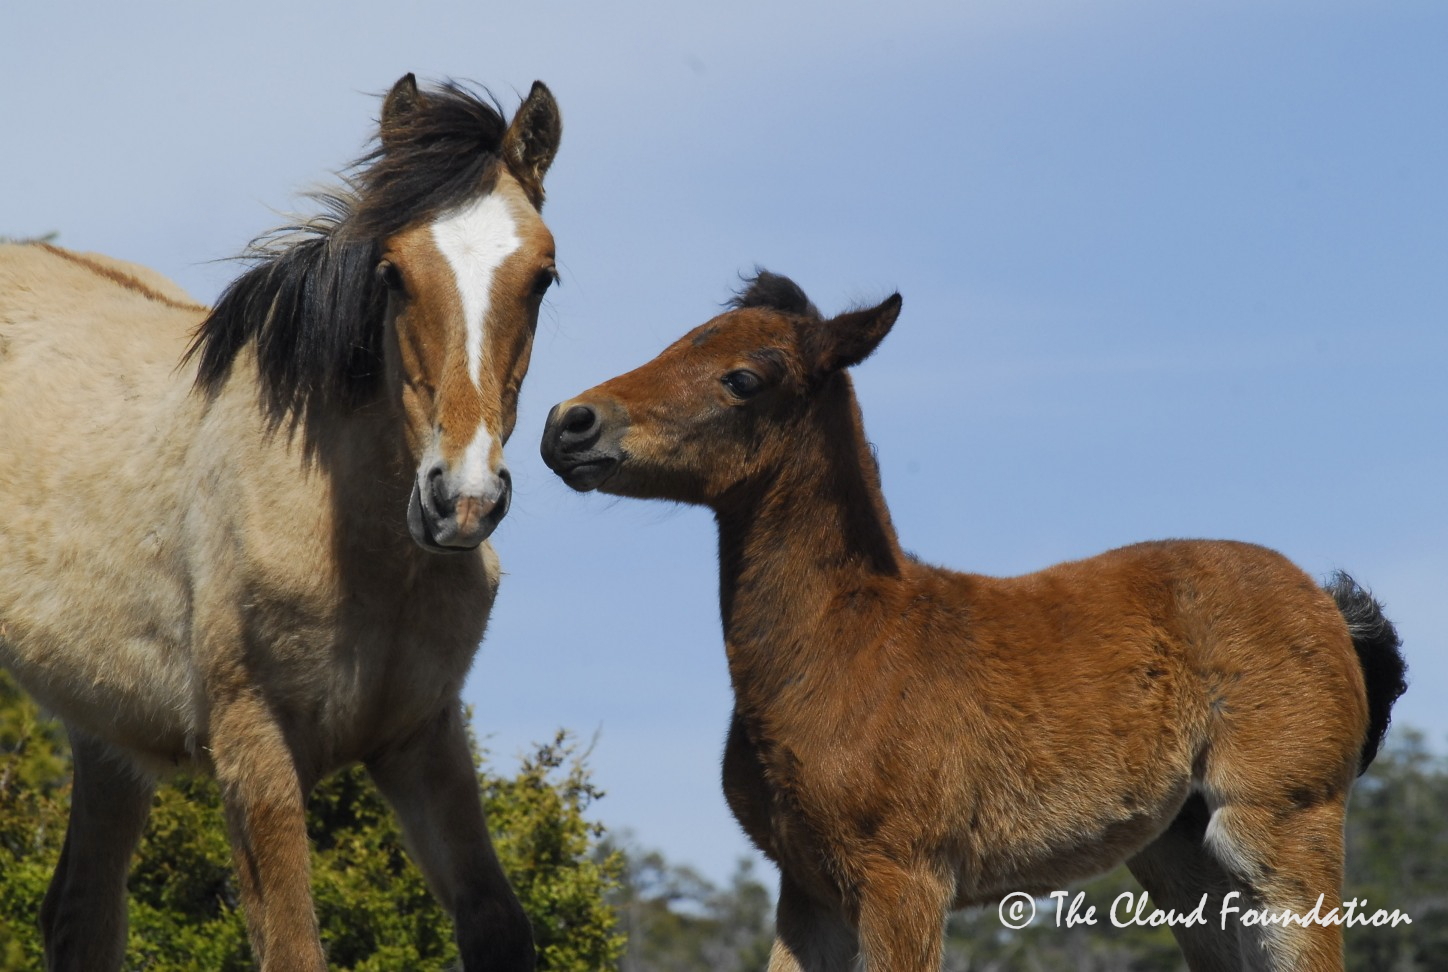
x: 532, y: 140
x: 846, y: 340
x: 400, y: 102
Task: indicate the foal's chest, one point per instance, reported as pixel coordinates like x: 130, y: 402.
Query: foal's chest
x: 766, y: 787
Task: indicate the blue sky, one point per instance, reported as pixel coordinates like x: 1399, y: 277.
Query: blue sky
x: 1169, y: 269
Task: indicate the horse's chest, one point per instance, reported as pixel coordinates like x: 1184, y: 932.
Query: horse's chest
x: 380, y: 657
x: 769, y: 793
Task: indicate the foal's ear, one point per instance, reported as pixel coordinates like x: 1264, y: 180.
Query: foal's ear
x: 846, y: 340
x: 532, y: 140
x: 400, y: 102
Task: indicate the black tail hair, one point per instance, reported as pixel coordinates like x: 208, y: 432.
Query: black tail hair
x: 1378, y: 650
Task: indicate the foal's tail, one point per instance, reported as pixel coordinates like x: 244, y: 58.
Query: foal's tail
x: 1377, y: 644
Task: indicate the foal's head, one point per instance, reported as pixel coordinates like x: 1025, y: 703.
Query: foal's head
x: 421, y: 287
x: 722, y: 406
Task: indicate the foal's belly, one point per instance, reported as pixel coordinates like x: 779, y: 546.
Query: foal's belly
x: 1038, y: 858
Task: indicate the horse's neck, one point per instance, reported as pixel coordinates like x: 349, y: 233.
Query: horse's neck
x: 361, y: 453
x: 799, y: 547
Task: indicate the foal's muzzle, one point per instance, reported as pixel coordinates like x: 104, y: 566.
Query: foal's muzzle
x: 576, y: 446
x: 444, y: 520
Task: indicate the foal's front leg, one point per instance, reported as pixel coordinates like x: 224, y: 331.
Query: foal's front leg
x: 902, y: 917
x: 266, y: 817
x: 430, y: 781
x: 810, y: 935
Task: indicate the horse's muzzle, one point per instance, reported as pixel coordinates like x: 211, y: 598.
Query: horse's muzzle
x: 576, y: 447
x: 444, y: 522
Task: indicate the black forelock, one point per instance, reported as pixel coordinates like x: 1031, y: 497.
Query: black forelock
x: 430, y: 159
x: 774, y: 292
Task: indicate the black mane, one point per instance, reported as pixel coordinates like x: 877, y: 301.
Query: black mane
x: 774, y: 292
x: 311, y: 303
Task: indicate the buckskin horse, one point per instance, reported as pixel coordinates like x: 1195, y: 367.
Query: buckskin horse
x: 907, y: 739
x: 271, y: 560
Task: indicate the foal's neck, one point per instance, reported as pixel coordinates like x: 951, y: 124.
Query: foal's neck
x: 801, y: 545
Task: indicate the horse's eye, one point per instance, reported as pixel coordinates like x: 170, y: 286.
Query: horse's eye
x: 743, y: 383
x: 544, y: 280
x: 391, y: 277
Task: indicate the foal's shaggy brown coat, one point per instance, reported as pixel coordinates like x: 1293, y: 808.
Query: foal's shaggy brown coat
x: 283, y: 570
x: 907, y: 739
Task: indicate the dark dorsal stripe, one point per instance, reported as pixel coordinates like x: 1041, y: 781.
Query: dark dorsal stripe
x: 124, y: 280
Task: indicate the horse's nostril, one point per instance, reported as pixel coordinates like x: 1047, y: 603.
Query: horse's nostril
x: 579, y: 421
x: 442, y: 505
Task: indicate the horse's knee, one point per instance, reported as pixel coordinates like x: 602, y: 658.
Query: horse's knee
x: 494, y: 933
x: 811, y: 935
x: 81, y: 935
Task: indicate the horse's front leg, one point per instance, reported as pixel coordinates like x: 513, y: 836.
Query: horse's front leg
x: 810, y: 935
x: 430, y: 781
x: 902, y: 912
x: 266, y: 817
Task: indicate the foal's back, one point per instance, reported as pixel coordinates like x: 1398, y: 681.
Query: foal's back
x: 1150, y: 671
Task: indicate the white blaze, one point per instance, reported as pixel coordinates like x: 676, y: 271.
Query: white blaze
x: 475, y: 240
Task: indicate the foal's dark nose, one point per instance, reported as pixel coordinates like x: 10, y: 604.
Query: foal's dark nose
x: 581, y: 442
x: 577, y: 429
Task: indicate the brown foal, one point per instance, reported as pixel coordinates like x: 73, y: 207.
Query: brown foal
x: 908, y: 739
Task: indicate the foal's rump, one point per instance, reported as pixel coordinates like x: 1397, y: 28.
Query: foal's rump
x: 1110, y: 690
x: 1256, y: 645
x: 93, y: 444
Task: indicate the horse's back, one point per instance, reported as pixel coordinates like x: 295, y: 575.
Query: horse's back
x: 1219, y: 608
x: 1147, y: 671
x: 94, y: 422
x: 89, y: 348
x: 1212, y: 641
x: 63, y: 297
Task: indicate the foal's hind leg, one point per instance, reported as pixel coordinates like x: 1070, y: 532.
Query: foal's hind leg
x: 1177, y: 871
x: 433, y: 787
x: 1285, y: 852
x: 83, y: 919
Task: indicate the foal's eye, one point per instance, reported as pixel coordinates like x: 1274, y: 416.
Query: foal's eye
x: 390, y: 276
x: 743, y: 383
x: 544, y: 280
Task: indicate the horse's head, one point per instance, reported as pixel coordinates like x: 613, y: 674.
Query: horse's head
x: 463, y: 290
x: 421, y: 286
x: 718, y: 408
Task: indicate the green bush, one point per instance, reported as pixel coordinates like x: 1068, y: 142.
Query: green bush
x: 375, y: 911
